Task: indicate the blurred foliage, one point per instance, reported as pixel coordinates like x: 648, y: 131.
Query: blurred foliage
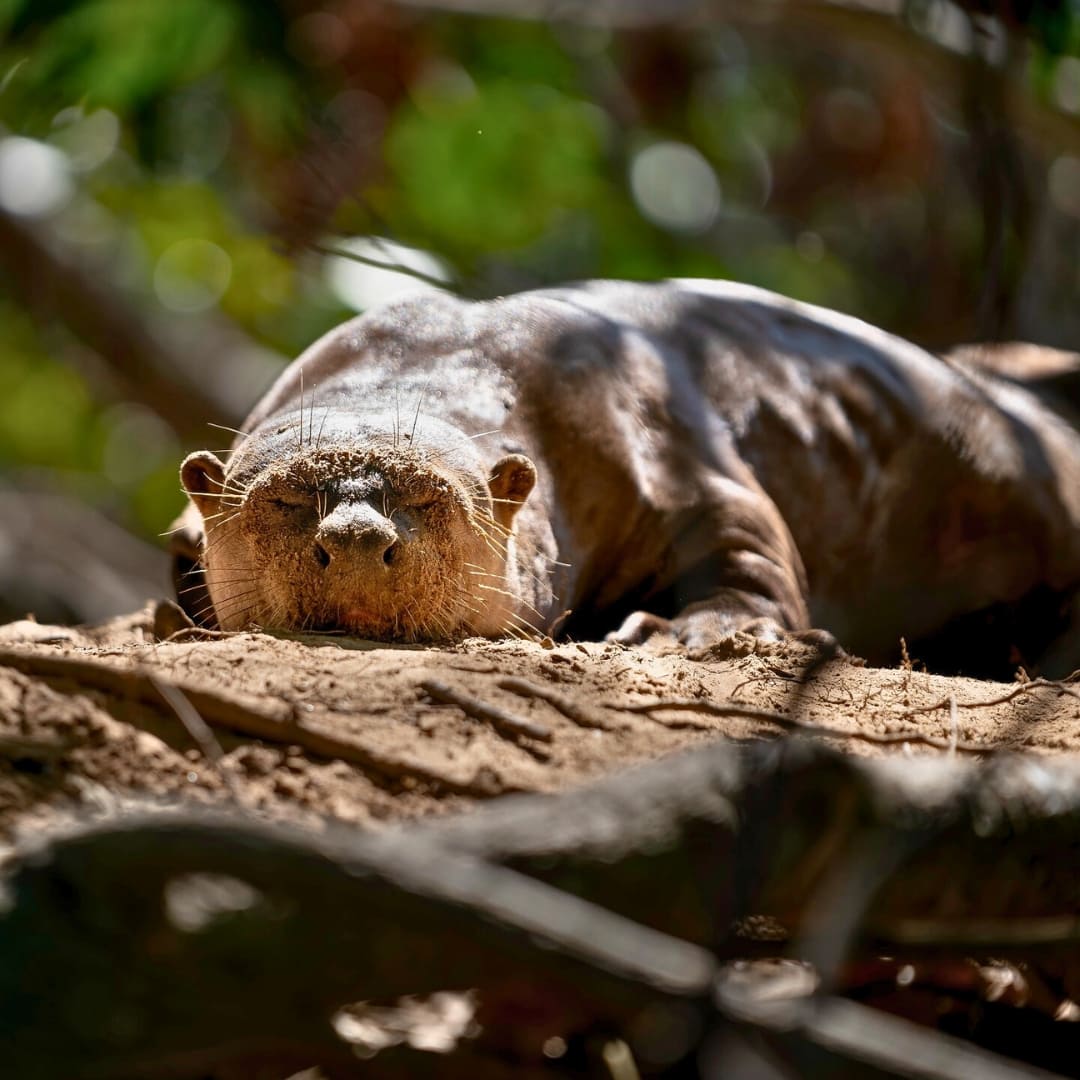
x: 533, y: 154
x: 206, y: 148
x: 46, y: 414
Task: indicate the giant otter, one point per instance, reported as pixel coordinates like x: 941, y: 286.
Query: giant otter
x: 689, y: 457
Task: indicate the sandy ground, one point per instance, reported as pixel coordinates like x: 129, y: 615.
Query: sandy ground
x: 309, y: 729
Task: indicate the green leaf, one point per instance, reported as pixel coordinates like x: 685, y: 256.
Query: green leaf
x: 122, y: 53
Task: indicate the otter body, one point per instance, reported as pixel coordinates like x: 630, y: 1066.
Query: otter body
x: 692, y: 457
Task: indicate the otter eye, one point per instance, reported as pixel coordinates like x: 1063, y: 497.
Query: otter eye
x: 291, y: 501
x: 421, y: 502
x: 417, y: 499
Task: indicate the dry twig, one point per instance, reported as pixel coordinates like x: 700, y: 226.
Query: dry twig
x: 570, y: 709
x: 274, y: 721
x: 986, y: 703
x: 789, y: 722
x: 199, y: 730
x: 505, y: 723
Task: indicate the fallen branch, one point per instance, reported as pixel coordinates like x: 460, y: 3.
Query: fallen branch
x: 232, y: 936
x: 826, y: 1036
x: 697, y: 841
x: 712, y: 708
x: 274, y: 721
x: 1023, y: 688
x: 505, y: 723
x: 570, y: 709
x: 325, y: 920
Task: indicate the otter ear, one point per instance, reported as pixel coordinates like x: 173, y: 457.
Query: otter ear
x: 510, y: 482
x: 203, y: 478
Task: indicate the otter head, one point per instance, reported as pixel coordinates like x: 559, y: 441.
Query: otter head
x: 363, y: 533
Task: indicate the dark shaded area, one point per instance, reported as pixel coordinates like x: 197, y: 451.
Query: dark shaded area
x: 237, y: 943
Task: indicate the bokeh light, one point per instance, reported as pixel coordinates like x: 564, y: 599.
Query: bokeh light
x: 35, y: 178
x: 675, y: 187
x: 192, y: 275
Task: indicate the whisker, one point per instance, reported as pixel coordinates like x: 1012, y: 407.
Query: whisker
x: 494, y: 526
x: 524, y: 624
x: 511, y: 596
x: 300, y: 444
x: 318, y: 441
x: 232, y: 430
x: 419, y: 402
x: 214, y: 538
x: 230, y: 606
x: 492, y: 533
x: 225, y: 493
x: 233, y: 598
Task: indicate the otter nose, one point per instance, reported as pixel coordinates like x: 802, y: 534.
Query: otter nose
x: 357, y: 536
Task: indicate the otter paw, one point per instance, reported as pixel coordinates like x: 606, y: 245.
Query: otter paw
x: 821, y: 640
x: 710, y: 630
x: 640, y: 626
x: 695, y: 630
x: 766, y: 637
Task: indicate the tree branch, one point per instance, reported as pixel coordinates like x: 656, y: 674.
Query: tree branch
x: 189, y: 372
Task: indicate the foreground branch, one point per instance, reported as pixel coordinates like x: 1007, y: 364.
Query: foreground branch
x: 231, y: 937
x: 170, y: 945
